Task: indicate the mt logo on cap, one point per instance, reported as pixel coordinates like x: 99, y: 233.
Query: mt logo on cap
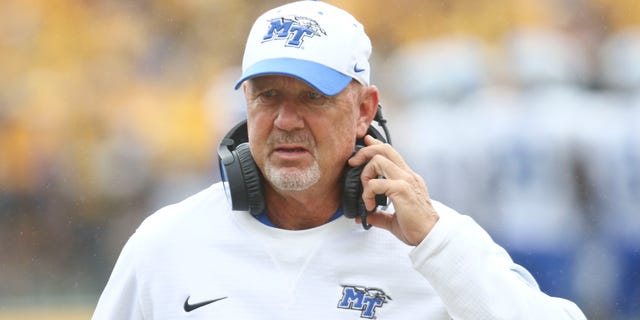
x: 293, y: 30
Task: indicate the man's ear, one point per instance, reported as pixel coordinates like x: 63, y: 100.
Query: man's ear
x: 245, y: 87
x: 367, y: 109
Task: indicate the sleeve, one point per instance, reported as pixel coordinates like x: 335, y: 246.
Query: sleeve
x: 476, y: 278
x: 120, y: 297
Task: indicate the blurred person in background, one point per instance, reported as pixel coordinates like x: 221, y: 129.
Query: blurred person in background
x: 609, y: 146
x: 306, y: 160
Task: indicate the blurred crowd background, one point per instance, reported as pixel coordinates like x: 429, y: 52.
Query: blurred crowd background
x: 524, y: 114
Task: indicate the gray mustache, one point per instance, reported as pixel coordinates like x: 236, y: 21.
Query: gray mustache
x: 281, y: 138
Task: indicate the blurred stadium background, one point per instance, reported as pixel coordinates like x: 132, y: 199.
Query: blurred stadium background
x: 524, y: 114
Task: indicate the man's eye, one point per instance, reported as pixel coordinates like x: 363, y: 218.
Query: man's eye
x: 314, y: 95
x: 269, y: 93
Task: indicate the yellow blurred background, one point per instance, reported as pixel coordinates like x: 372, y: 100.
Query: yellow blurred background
x: 110, y: 109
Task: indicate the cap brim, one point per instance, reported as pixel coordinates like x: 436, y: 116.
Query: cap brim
x: 322, y: 78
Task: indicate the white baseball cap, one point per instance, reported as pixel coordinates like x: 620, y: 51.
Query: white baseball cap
x: 313, y: 41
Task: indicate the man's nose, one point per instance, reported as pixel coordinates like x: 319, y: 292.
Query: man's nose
x: 289, y: 117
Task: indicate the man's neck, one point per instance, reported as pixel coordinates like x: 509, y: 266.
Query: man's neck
x: 299, y: 210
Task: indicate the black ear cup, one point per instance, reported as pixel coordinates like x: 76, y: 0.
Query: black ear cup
x: 352, y: 203
x: 240, y: 175
x: 252, y: 179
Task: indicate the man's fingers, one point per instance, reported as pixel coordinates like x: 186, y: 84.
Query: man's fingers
x: 379, y: 219
x: 370, y: 140
x: 394, y: 189
x: 376, y: 147
x: 382, y: 166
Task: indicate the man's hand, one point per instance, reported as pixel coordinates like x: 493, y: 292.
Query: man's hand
x: 414, y: 215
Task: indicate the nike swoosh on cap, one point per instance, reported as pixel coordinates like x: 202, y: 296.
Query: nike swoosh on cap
x: 356, y: 69
x: 190, y: 307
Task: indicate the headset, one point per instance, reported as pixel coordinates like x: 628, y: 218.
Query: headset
x: 243, y: 184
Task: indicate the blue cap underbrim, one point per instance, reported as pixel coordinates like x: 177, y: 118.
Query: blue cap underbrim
x: 322, y: 78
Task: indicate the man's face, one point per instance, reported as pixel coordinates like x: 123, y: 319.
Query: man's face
x: 298, y: 136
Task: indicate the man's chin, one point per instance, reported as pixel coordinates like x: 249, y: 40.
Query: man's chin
x: 292, y: 179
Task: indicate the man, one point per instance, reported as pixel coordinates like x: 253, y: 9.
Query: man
x: 306, y: 82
